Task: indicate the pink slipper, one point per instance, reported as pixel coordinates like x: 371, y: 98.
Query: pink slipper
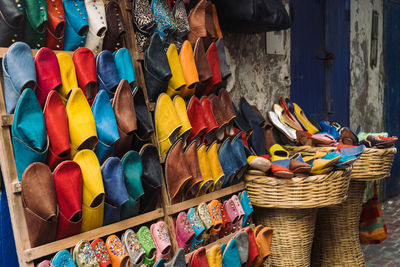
x: 240, y: 211
x: 233, y: 214
x: 160, y: 234
x: 183, y: 231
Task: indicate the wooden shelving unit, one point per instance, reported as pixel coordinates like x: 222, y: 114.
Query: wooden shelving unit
x: 28, y: 255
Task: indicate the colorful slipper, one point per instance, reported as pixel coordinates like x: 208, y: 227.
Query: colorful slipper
x: 303, y: 119
x: 205, y: 217
x: 230, y: 256
x: 242, y: 240
x: 214, y: 256
x: 277, y: 152
x: 178, y: 260
x: 216, y: 217
x: 198, y: 258
x: 84, y: 255
x: 239, y: 209
x: 281, y: 172
x: 118, y: 254
x: 253, y: 249
x: 100, y: 250
x: 45, y: 263
x: 134, y: 248
x: 183, y: 231
x: 147, y: 242
x: 198, y: 228
x: 233, y: 214
x: 247, y: 207
x: 63, y: 258
x: 259, y: 163
x: 162, y: 240
x: 226, y: 222
x: 263, y: 239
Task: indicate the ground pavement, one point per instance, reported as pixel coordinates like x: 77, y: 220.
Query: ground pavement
x: 387, y: 254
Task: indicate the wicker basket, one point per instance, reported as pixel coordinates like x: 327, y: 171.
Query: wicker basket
x: 374, y: 164
x: 292, y: 237
x: 308, y: 150
x: 336, y: 241
x: 298, y: 192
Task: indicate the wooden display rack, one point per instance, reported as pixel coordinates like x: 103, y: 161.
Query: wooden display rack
x: 28, y: 256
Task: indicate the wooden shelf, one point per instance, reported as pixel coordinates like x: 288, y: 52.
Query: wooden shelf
x: 69, y: 242
x: 206, y: 198
x: 218, y: 242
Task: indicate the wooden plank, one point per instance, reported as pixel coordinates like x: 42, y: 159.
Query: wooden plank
x: 69, y: 242
x: 3, y: 50
x: 219, y: 242
x: 6, y: 120
x: 9, y: 172
x: 206, y: 198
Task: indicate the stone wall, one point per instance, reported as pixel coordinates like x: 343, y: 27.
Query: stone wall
x: 262, y: 78
x: 367, y: 84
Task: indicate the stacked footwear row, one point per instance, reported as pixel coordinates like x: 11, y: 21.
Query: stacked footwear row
x: 62, y: 24
x: 208, y: 222
x: 79, y: 158
x: 203, y: 225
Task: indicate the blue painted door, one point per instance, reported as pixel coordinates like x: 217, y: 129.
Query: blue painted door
x: 392, y: 85
x: 320, y: 58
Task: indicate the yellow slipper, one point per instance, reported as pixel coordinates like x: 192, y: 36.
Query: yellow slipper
x: 93, y: 190
x: 177, y: 81
x: 302, y: 117
x: 215, y: 166
x: 205, y: 171
x: 167, y: 122
x: 180, y: 108
x: 81, y: 124
x: 277, y: 152
x: 68, y: 75
x: 214, y: 256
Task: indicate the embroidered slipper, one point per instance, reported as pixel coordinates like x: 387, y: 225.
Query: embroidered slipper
x: 247, y: 207
x: 183, y: 231
x: 63, y: 258
x: 198, y: 228
x: 134, y: 248
x: 147, y: 242
x: 161, y: 238
x: 100, y: 250
x: 226, y: 222
x: 205, y: 217
x: 118, y: 254
x: 233, y: 214
x: 84, y: 255
x: 216, y: 217
x: 240, y: 211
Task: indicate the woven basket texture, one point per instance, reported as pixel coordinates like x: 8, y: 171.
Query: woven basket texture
x: 298, y: 192
x: 336, y: 241
x: 292, y: 237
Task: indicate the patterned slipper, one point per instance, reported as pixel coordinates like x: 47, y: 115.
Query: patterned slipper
x: 84, y: 255
x: 134, y: 248
x: 100, y: 250
x: 119, y: 256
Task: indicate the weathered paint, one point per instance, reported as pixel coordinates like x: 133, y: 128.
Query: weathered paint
x: 256, y: 75
x: 366, y: 94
